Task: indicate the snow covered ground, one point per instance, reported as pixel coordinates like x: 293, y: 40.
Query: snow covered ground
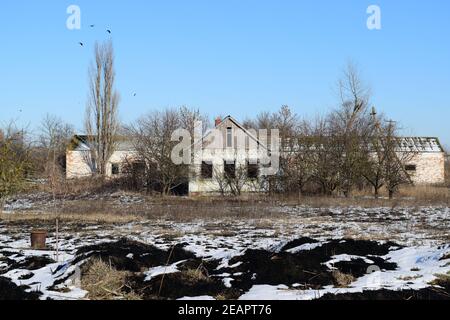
x: 421, y: 233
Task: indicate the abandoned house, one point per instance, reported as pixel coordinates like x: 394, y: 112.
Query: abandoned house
x: 427, y: 167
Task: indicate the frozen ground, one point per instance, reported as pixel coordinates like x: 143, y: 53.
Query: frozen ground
x: 236, y: 249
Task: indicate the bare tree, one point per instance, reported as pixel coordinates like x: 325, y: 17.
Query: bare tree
x: 299, y: 153
x: 373, y: 170
x: 349, y: 125
x: 54, y: 138
x: 286, y: 121
x: 396, y: 156
x: 388, y: 154
x: 236, y: 179
x: 101, y: 113
x: 325, y: 157
x: 151, y: 136
x: 264, y: 120
x: 188, y: 119
x: 221, y: 181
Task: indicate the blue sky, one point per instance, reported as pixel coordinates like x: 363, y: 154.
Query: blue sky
x: 228, y: 57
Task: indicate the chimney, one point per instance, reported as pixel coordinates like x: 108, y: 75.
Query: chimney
x: 218, y: 121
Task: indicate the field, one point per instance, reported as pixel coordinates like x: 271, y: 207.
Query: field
x: 128, y: 246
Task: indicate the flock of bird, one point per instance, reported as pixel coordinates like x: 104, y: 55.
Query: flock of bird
x: 109, y: 32
x: 92, y: 26
x: 82, y: 45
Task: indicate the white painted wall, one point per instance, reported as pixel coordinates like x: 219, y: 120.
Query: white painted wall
x: 78, y: 167
x: 430, y: 168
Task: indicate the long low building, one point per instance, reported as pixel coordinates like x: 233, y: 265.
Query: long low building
x: 426, y: 167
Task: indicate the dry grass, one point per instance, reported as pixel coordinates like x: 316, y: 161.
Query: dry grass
x: 342, y: 280
x: 427, y: 194
x: 108, y: 208
x: 103, y: 282
x: 192, y: 276
x: 442, y: 280
x: 407, y: 196
x: 410, y: 278
x: 94, y: 218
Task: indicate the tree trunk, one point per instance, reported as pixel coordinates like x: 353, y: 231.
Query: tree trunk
x: 347, y: 193
x: 391, y: 194
x: 377, y: 192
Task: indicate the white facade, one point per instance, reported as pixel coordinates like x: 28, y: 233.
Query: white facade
x: 78, y: 164
x: 224, y: 152
x: 427, y: 167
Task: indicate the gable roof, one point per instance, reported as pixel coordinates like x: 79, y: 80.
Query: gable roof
x: 406, y: 144
x: 237, y: 124
x: 81, y: 143
x: 420, y: 144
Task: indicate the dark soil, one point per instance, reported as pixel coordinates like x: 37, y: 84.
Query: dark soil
x: 11, y: 292
x: 31, y: 263
x: 264, y: 267
x: 352, y: 247
x: 423, y: 294
x: 192, y: 280
x: 199, y: 277
x: 178, y: 285
x: 305, y: 267
x: 358, y: 267
x: 144, y: 256
x: 26, y: 276
x: 297, y: 242
x: 256, y: 267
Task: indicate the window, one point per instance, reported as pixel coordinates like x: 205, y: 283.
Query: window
x: 138, y: 168
x: 410, y: 167
x: 115, y: 169
x: 229, y: 169
x: 207, y: 170
x: 252, y: 170
x: 229, y: 137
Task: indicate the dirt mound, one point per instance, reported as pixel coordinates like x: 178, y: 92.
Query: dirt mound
x: 128, y: 255
x: 11, y: 292
x: 305, y: 267
x: 192, y: 280
x: 31, y: 263
x: 358, y: 267
x: 354, y: 247
x: 297, y: 243
x: 178, y: 285
x: 423, y: 294
x: 264, y: 267
x: 197, y: 277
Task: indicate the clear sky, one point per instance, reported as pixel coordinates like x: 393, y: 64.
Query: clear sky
x: 234, y: 57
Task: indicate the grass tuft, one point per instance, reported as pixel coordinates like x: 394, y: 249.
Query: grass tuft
x: 103, y: 282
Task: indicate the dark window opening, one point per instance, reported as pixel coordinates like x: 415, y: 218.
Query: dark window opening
x: 115, y: 169
x: 252, y: 170
x: 229, y: 137
x: 230, y: 169
x: 207, y: 170
x: 138, y: 168
x: 410, y: 167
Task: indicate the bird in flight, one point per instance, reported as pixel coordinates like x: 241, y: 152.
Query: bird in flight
x: 134, y: 94
x: 109, y: 31
x: 81, y: 44
x: 92, y: 25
